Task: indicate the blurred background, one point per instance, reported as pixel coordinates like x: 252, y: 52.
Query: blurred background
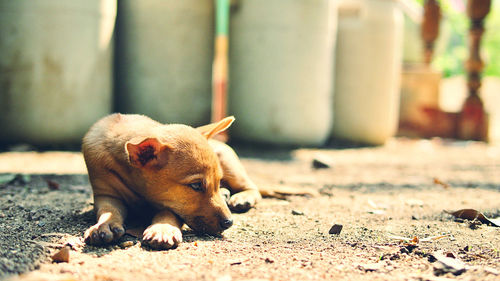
x: 292, y: 72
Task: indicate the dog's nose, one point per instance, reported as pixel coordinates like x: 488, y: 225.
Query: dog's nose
x: 225, y: 224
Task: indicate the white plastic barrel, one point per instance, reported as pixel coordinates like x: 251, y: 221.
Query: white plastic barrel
x: 55, y: 68
x: 281, y: 70
x: 164, y: 59
x: 368, y: 70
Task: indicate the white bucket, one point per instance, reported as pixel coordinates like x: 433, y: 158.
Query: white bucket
x: 281, y: 70
x: 368, y: 70
x: 164, y: 59
x: 55, y: 68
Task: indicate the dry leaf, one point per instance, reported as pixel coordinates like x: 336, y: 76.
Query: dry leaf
x: 471, y: 214
x: 446, y: 264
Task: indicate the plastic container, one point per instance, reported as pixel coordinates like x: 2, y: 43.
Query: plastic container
x: 281, y: 70
x: 368, y: 70
x: 164, y: 59
x: 55, y: 68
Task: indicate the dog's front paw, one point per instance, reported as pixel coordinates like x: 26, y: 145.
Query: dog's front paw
x: 162, y: 236
x: 244, y: 201
x: 103, y: 233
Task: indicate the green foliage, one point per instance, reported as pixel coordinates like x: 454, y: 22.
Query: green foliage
x: 492, y: 41
x: 456, y: 24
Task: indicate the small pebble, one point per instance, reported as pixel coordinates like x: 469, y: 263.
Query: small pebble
x: 336, y: 229
x: 297, y: 213
x: 321, y: 162
x: 62, y: 255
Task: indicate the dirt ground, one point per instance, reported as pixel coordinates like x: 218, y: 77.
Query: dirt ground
x: 375, y: 193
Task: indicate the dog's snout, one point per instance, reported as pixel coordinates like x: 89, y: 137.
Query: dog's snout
x: 225, y: 224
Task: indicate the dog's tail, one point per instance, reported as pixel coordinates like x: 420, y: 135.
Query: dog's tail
x: 282, y: 192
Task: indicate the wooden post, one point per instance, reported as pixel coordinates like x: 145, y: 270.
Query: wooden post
x: 473, y: 120
x: 430, y: 28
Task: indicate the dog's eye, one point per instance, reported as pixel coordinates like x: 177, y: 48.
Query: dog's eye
x: 196, y: 186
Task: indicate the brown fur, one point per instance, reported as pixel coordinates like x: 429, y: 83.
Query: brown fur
x: 133, y: 160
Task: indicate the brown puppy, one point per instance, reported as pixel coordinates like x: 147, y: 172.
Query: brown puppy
x: 133, y: 160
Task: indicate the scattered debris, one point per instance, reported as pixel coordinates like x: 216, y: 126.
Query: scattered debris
x: 376, y: 212
x: 297, y: 213
x: 370, y: 267
x: 335, y: 229
x: 474, y: 224
x: 447, y: 264
x: 491, y: 270
x: 326, y: 190
x: 416, y: 240
x: 471, y: 214
x: 62, y: 255
x: 412, y: 243
x: 390, y: 256
x: 414, y: 202
x: 237, y: 262
x: 75, y: 243
x: 269, y: 260
x: 322, y: 162
x: 450, y: 255
x: 378, y: 209
x: 441, y: 183
x: 127, y: 244
x: 282, y: 192
x: 53, y: 185
x: 408, y: 248
x: 377, y: 206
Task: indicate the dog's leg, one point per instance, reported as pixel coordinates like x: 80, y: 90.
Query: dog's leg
x: 110, y: 214
x: 164, y: 232
x: 245, y: 192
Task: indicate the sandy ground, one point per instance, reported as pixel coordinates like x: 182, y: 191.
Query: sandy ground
x: 400, y: 189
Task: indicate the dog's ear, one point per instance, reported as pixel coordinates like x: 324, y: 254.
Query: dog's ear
x: 213, y: 129
x: 146, y: 152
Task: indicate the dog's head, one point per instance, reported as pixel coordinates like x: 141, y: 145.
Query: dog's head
x: 180, y: 171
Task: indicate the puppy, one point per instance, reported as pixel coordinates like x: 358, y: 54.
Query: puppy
x: 134, y: 161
